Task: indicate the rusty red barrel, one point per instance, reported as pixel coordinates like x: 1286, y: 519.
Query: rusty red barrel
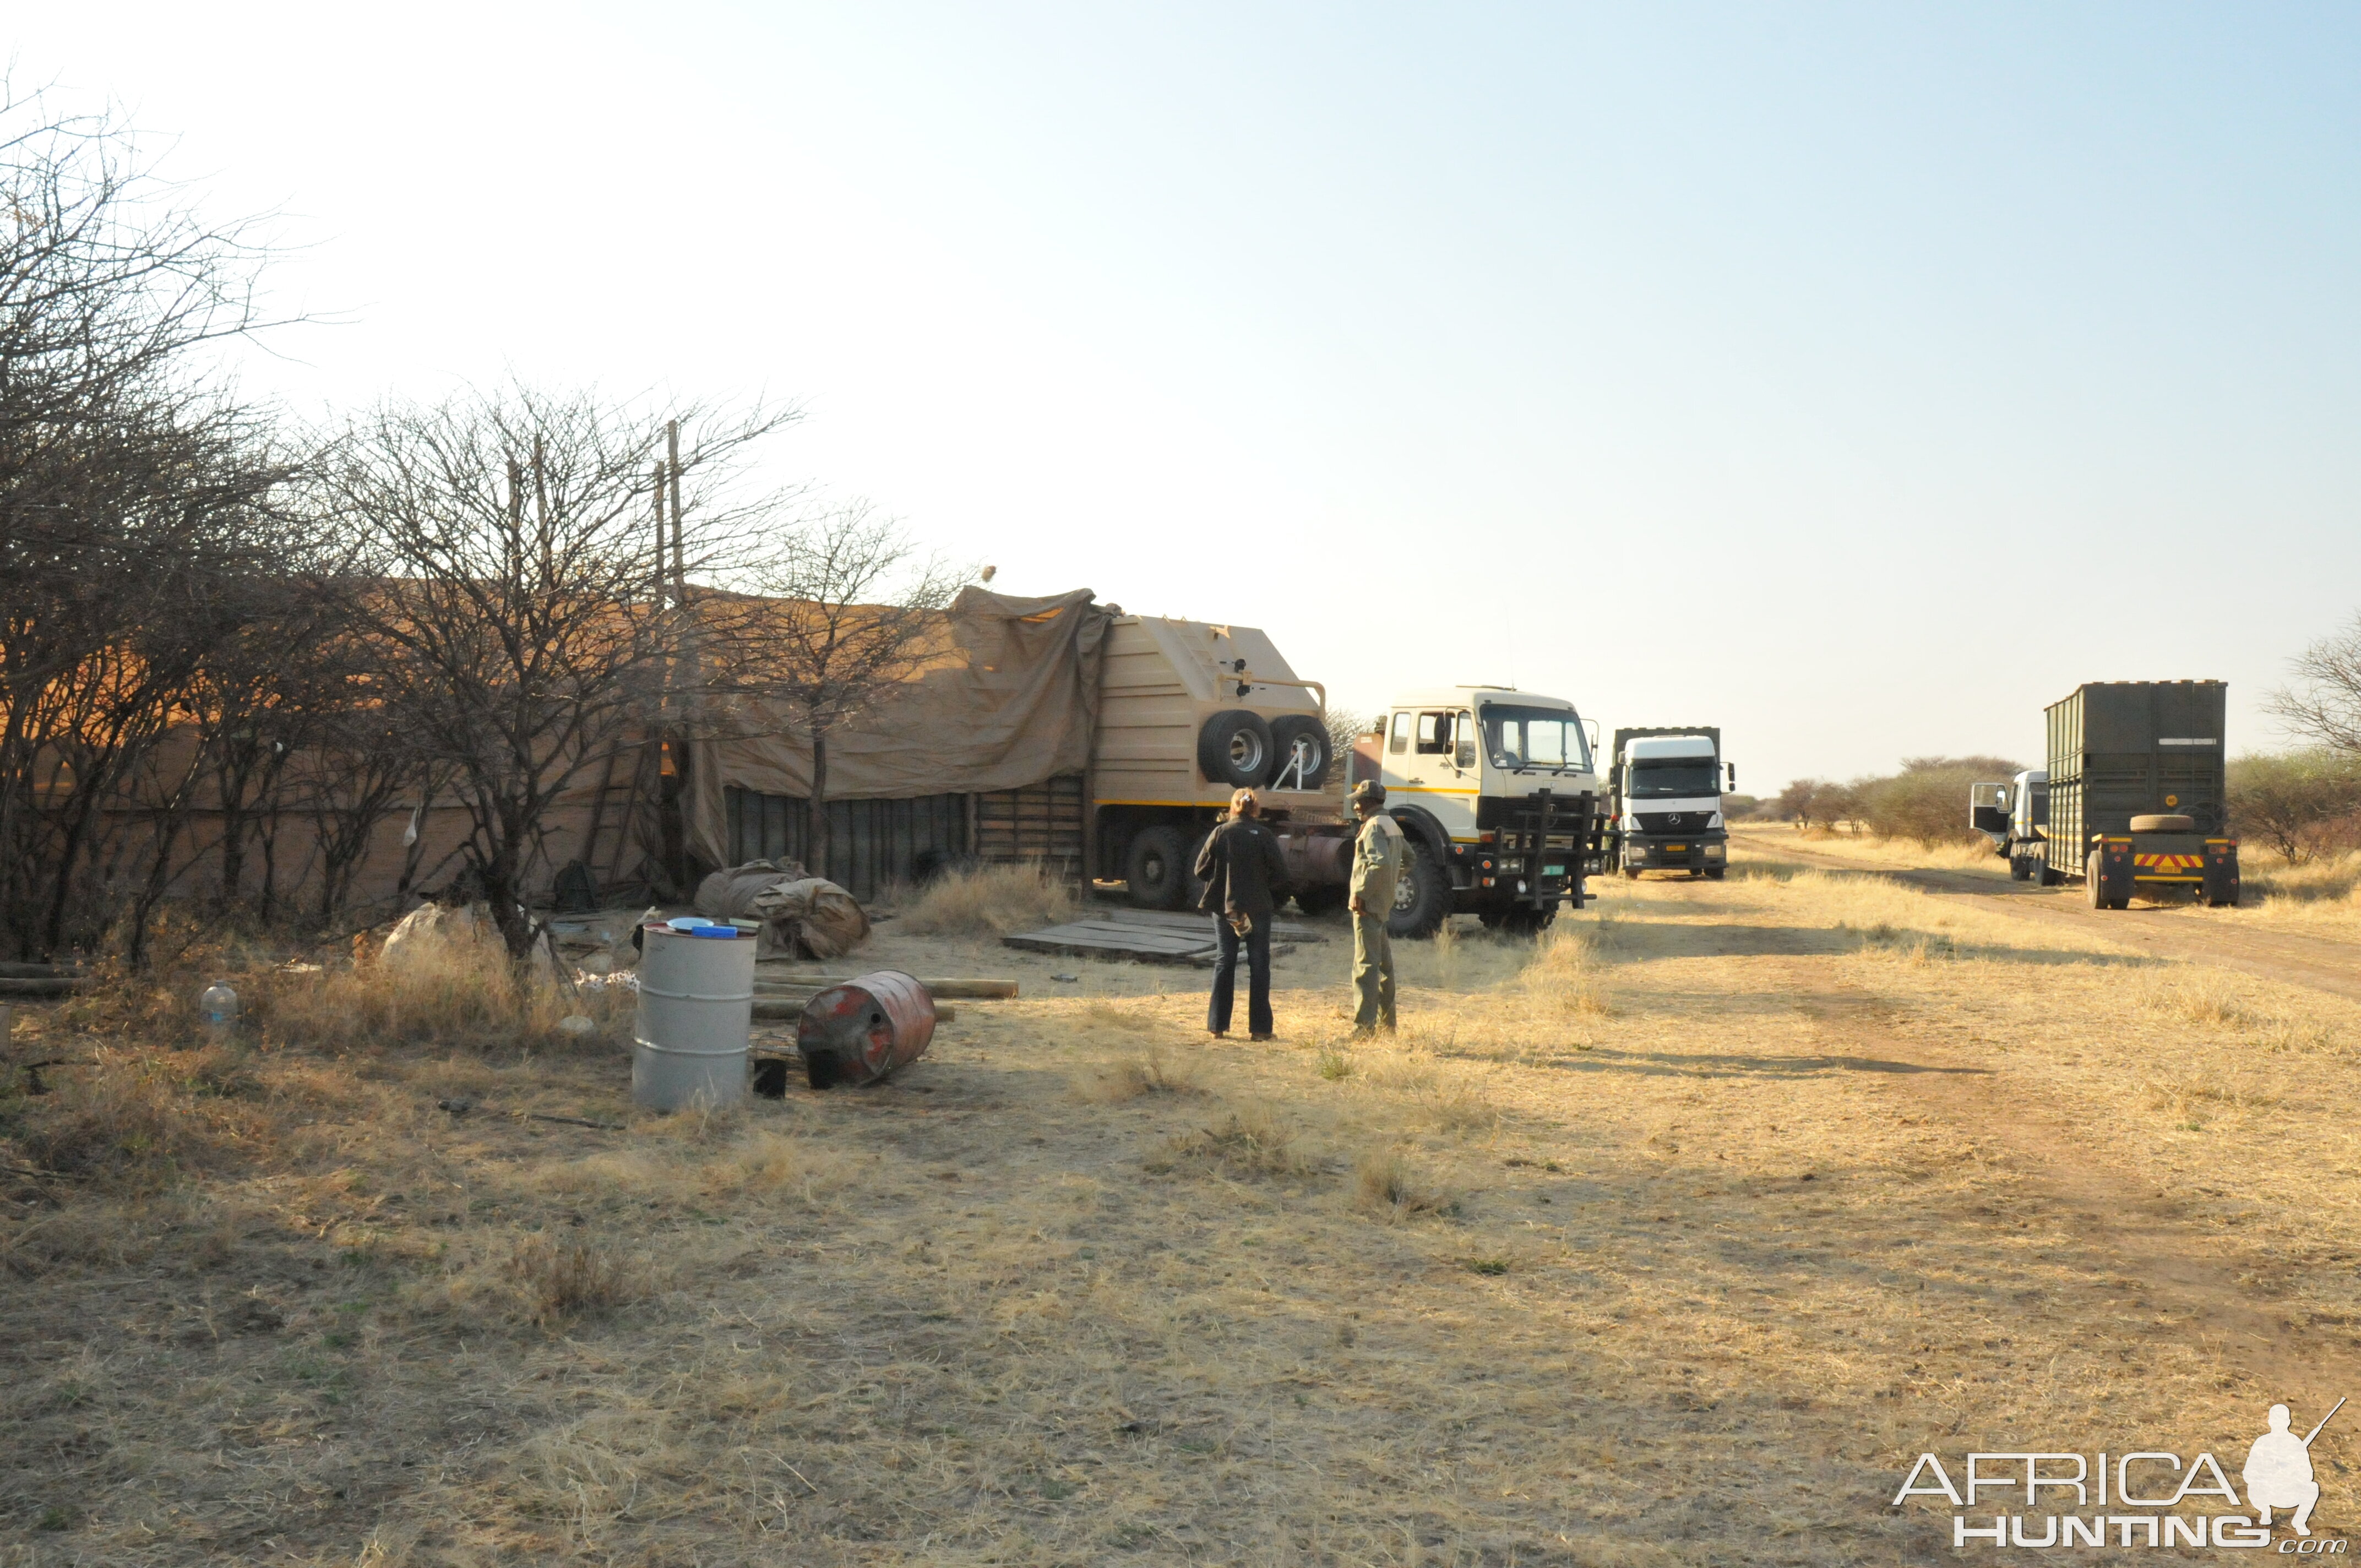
x: 859, y: 1031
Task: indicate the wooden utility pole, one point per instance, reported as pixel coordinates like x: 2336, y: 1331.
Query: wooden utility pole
x: 679, y: 549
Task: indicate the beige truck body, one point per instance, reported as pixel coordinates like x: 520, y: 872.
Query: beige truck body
x: 1163, y: 680
x: 1169, y: 690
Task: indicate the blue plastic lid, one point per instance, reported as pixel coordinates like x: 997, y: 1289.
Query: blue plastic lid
x: 727, y: 933
x: 689, y: 922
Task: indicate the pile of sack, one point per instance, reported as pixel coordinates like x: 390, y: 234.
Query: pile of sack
x: 802, y: 916
x: 433, y: 933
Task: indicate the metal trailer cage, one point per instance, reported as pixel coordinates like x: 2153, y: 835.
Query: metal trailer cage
x: 2118, y: 750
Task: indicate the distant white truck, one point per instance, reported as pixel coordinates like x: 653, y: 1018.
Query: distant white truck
x: 1665, y: 798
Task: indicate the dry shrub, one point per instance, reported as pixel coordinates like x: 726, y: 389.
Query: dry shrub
x: 1384, y: 1184
x: 1252, y: 1141
x: 551, y: 1283
x: 1337, y: 1064
x: 991, y: 901
x: 1444, y: 1101
x: 2192, y: 1099
x: 131, y: 1122
x: 448, y: 994
x: 2208, y: 998
x: 1128, y: 1079
x: 1561, y: 978
x: 573, y: 1279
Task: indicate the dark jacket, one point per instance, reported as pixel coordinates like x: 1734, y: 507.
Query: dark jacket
x: 1242, y: 869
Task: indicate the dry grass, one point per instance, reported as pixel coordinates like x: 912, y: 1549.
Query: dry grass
x: 1152, y: 1073
x: 991, y: 901
x: 1720, y: 1186
x: 1385, y: 1183
x: 1249, y: 1140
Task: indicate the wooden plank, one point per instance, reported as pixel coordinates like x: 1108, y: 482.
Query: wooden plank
x: 1174, y: 920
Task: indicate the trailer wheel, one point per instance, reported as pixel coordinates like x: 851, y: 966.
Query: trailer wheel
x: 1422, y: 898
x: 2044, y: 874
x: 2019, y: 868
x: 1157, y: 867
x: 2164, y: 822
x: 2100, y: 899
x: 1234, y: 749
x: 1325, y: 899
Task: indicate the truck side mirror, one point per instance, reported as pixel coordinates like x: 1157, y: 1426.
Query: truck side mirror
x: 1733, y: 773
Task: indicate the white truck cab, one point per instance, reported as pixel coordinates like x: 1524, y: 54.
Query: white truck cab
x: 1467, y: 770
x: 2015, y: 816
x: 1666, y: 791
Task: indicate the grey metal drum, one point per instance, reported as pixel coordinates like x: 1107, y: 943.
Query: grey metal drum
x: 696, y: 1008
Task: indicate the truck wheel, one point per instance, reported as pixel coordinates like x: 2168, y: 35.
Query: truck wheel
x: 2043, y: 875
x: 1421, y: 898
x: 2164, y: 822
x: 1525, y: 920
x: 1324, y: 900
x: 1234, y: 749
x: 1631, y: 872
x: 2019, y: 868
x: 1158, y: 867
x: 2092, y: 885
x: 1716, y: 873
x: 1291, y: 735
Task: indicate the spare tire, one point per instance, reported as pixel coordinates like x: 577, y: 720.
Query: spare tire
x: 2164, y: 822
x: 1295, y: 734
x: 1234, y: 749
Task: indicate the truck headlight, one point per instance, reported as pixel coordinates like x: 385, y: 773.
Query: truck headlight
x: 1714, y: 821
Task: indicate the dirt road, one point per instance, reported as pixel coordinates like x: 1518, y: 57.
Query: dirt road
x: 2186, y: 934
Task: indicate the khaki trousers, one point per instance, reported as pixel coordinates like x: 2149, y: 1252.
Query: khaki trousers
x: 1373, y: 973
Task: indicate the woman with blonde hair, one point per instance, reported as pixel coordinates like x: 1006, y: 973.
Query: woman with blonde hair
x: 1242, y: 868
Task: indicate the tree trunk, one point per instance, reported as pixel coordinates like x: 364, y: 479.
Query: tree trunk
x: 819, y: 845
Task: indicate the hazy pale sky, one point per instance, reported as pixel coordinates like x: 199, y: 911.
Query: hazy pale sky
x: 1860, y: 378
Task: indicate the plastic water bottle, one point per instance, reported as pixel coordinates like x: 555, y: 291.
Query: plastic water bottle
x: 217, y: 1010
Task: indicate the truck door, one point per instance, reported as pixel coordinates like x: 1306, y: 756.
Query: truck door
x: 1988, y: 808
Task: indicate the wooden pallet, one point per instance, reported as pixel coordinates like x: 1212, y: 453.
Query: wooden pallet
x: 1149, y: 936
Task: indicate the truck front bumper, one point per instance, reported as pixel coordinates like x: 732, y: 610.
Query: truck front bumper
x: 1663, y: 851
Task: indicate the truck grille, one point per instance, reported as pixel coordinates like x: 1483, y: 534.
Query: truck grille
x: 1673, y: 821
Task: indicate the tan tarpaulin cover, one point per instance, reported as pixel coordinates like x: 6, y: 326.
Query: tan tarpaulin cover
x: 1010, y: 702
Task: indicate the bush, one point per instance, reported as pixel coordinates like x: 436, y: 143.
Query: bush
x: 2300, y: 803
x: 1814, y: 803
x: 991, y: 901
x: 1928, y: 800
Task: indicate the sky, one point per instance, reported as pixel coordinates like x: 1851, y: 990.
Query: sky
x: 1860, y: 378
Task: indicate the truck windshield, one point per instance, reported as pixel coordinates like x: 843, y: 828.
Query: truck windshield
x: 1535, y: 738
x: 1674, y: 776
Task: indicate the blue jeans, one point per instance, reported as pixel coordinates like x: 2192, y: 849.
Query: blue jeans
x: 1225, y: 977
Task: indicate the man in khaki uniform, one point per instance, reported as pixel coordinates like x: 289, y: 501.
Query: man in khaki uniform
x: 1377, y: 857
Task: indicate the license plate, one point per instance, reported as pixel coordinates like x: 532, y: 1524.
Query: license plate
x: 1676, y: 849
x: 1552, y: 870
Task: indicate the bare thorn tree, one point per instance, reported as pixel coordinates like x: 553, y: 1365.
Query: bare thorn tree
x: 507, y: 577
x: 132, y: 500
x: 851, y: 611
x: 2323, y: 703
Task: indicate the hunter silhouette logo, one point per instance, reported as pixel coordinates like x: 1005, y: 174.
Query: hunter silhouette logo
x: 2279, y: 1471
x: 2278, y: 1476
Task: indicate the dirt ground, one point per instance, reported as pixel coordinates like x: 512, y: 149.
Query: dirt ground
x: 1671, y: 1239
